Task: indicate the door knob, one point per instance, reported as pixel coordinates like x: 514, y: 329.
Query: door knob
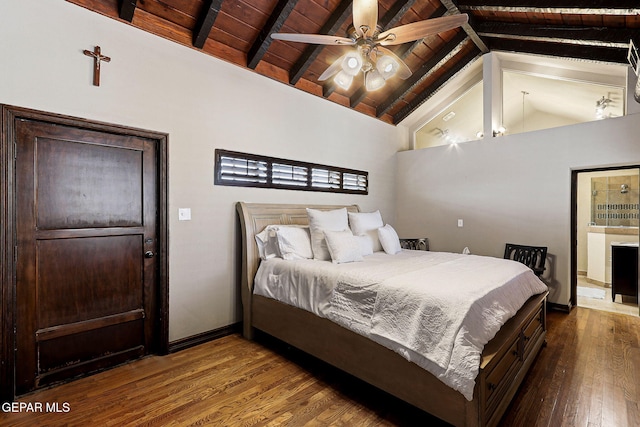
x: 149, y: 254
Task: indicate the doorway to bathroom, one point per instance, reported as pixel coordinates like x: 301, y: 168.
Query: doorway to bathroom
x: 606, y: 219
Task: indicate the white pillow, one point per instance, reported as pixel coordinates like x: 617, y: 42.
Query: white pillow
x: 389, y: 239
x: 294, y: 242
x: 365, y: 244
x: 267, y: 243
x: 367, y: 224
x: 321, y: 221
x: 343, y: 246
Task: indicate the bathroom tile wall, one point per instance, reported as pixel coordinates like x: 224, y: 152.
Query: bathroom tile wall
x: 614, y: 201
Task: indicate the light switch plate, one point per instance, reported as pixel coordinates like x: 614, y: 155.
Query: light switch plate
x: 184, y: 214
x: 460, y: 223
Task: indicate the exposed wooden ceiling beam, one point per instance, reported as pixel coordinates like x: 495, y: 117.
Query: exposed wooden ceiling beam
x: 127, y: 8
x: 279, y: 15
x: 333, y: 24
x: 406, y: 49
x: 205, y: 23
x: 446, y: 52
x: 328, y: 88
x: 395, y: 13
x: 468, y: 27
x: 577, y: 7
x: 442, y: 80
x: 590, y: 53
x: 588, y: 36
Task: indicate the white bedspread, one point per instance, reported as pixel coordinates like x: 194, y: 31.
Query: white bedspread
x: 436, y: 309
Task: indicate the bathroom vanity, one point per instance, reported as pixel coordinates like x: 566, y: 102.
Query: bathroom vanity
x: 599, y: 243
x: 624, y: 270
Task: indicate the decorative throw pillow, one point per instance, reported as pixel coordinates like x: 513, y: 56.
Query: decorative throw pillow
x: 321, y: 221
x: 343, y: 246
x: 367, y: 224
x: 389, y: 239
x: 294, y: 242
x: 365, y: 244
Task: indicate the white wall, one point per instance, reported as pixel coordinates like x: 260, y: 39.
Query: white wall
x: 515, y: 188
x: 203, y: 104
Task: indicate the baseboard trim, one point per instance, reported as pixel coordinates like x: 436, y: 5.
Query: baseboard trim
x: 559, y: 307
x: 598, y: 283
x: 194, y: 340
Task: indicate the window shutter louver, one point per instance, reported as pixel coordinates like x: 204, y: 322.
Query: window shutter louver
x: 354, y: 182
x: 288, y: 175
x: 242, y: 170
x: 325, y: 178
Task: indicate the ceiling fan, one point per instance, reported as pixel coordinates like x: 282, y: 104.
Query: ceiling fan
x: 370, y: 56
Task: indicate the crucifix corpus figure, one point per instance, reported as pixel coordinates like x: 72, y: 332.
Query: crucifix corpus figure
x: 97, y: 59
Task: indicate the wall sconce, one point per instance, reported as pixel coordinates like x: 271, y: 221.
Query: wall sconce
x: 500, y: 131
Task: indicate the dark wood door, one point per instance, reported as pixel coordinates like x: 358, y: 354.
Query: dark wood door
x: 86, y: 225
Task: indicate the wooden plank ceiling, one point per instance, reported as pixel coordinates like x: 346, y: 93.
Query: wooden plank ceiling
x: 238, y: 31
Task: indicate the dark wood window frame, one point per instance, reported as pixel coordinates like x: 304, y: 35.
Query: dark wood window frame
x: 270, y: 172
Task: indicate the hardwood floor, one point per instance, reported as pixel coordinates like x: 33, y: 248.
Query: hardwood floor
x: 588, y: 375
x: 620, y: 305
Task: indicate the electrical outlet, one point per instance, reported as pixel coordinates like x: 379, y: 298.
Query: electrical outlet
x: 184, y: 214
x: 460, y: 223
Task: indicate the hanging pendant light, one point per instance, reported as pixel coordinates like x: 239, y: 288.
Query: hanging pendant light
x: 343, y: 79
x: 352, y: 63
x: 373, y: 80
x: 387, y: 66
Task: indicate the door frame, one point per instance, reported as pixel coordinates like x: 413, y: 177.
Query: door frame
x: 8, y: 244
x: 573, y: 301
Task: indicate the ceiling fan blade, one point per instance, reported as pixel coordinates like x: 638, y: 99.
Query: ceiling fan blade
x: 312, y: 38
x: 333, y: 69
x: 365, y: 16
x: 417, y: 30
x: 403, y: 71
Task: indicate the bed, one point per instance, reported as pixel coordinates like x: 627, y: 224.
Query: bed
x: 504, y: 362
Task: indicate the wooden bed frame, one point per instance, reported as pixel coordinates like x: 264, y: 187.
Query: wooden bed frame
x: 505, y: 359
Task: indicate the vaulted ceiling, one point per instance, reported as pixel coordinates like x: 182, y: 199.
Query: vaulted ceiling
x: 238, y: 31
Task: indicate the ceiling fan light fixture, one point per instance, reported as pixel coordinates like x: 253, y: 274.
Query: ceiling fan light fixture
x: 373, y: 80
x: 343, y: 79
x: 352, y: 63
x: 376, y: 62
x: 387, y: 66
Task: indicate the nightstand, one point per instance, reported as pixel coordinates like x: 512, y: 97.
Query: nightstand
x: 421, y: 244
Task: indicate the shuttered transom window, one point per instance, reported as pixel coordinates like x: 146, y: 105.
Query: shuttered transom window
x: 235, y: 169
x: 250, y: 170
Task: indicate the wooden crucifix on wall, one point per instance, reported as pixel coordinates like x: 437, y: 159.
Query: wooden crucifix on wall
x: 97, y: 59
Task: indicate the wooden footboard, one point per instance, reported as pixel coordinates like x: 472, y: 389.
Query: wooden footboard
x: 505, y: 360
